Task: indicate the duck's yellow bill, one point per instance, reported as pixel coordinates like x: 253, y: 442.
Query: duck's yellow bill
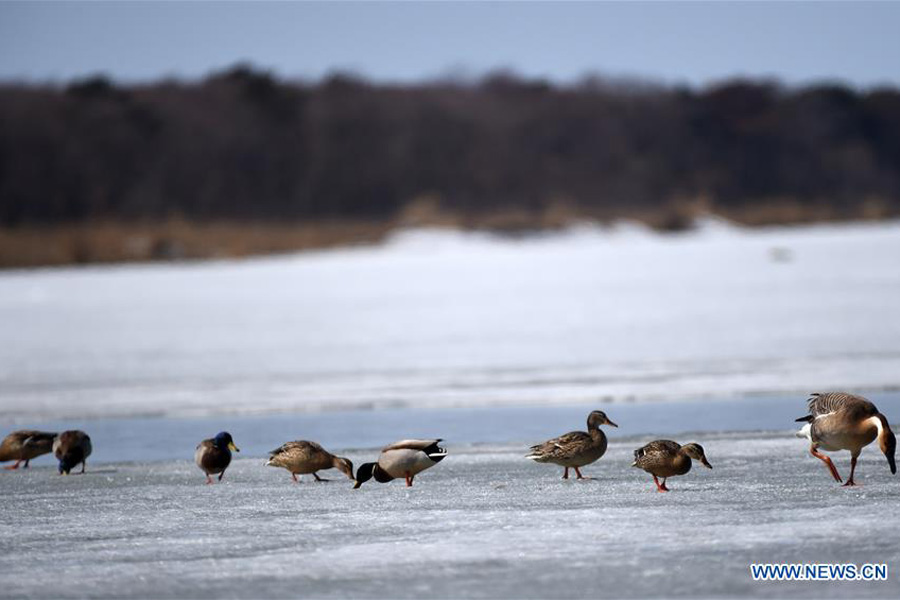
x: 231, y: 446
x: 356, y: 484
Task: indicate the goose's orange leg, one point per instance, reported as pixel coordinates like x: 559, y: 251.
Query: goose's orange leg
x: 850, y: 482
x: 834, y: 472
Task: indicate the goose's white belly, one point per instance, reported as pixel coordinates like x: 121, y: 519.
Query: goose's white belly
x: 833, y: 436
x: 398, y: 463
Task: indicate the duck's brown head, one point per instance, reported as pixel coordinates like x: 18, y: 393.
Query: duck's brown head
x: 598, y: 418
x: 344, y: 465
x: 696, y: 452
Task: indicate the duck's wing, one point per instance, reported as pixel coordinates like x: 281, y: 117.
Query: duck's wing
x: 299, y: 447
x: 855, y: 407
x: 568, y: 444
x: 427, y: 446
x: 211, y: 458
x: 39, y: 441
x: 657, y: 449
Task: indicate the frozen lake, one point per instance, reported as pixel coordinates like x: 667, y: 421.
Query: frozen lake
x: 443, y: 319
x: 716, y: 337
x: 484, y: 523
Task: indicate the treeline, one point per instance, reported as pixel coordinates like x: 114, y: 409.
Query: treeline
x: 242, y: 145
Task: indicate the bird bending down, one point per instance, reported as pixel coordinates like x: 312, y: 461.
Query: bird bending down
x: 576, y: 448
x: 665, y: 458
x: 70, y: 448
x: 24, y: 445
x: 302, y: 457
x: 842, y: 421
x: 405, y: 458
x: 214, y: 455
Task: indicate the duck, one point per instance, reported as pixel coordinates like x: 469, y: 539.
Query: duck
x: 406, y: 458
x: 25, y: 444
x: 665, y: 458
x: 214, y: 455
x: 576, y: 448
x: 843, y: 421
x: 302, y: 457
x: 70, y: 448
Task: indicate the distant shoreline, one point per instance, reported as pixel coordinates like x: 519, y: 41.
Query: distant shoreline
x: 172, y: 240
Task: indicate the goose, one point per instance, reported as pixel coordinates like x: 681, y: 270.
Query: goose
x: 24, y: 445
x: 576, y: 448
x: 405, y: 458
x: 302, y: 457
x: 842, y: 421
x: 70, y: 448
x: 665, y: 458
x: 214, y: 455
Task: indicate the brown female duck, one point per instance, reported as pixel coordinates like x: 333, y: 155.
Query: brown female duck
x: 665, y: 458
x: 576, y: 448
x: 302, y: 457
x: 842, y: 421
x: 24, y: 445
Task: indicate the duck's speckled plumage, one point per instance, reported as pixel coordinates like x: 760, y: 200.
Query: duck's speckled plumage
x: 665, y: 458
x: 24, y: 445
x: 843, y: 421
x: 303, y: 457
x: 576, y: 448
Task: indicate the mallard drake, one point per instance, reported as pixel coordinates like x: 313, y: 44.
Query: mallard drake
x: 576, y: 448
x: 842, y: 421
x: 302, y: 457
x: 214, y: 455
x: 70, y: 448
x: 405, y: 458
x: 24, y: 445
x: 665, y: 458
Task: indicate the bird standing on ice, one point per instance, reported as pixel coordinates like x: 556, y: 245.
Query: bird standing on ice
x: 842, y: 421
x: 24, y: 445
x: 302, y: 457
x: 214, y: 455
x: 576, y: 448
x: 405, y: 458
x: 71, y: 448
x: 665, y: 458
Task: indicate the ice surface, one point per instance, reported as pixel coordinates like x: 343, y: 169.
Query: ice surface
x: 441, y: 320
x: 483, y: 523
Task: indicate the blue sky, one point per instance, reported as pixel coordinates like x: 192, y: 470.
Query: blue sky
x: 675, y: 42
